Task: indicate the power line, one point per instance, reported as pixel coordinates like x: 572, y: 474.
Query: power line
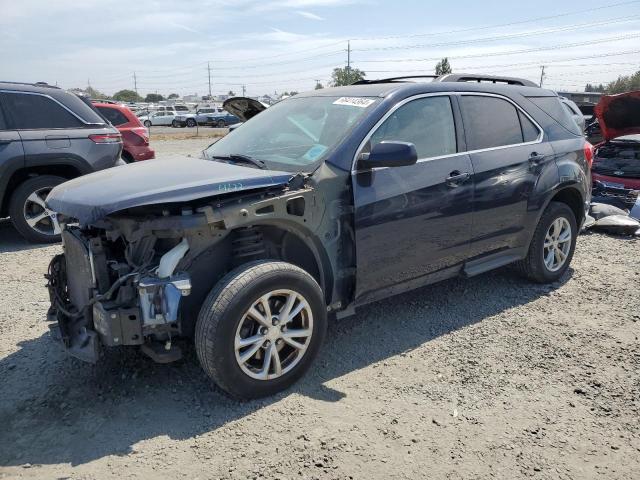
x: 502, y: 37
x: 513, y: 52
x: 500, y: 25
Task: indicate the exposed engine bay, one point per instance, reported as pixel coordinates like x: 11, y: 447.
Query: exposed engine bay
x: 138, y: 277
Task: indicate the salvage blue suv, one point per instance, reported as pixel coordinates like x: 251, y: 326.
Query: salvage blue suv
x: 319, y: 204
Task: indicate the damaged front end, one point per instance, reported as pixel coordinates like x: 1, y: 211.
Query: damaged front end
x: 115, y: 296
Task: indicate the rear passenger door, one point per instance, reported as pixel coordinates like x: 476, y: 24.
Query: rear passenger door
x: 508, y: 156
x: 413, y: 221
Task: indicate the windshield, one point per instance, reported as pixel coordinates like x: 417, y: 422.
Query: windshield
x: 295, y: 134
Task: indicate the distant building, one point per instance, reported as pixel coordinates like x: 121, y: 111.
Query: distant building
x: 582, y: 98
x: 191, y: 98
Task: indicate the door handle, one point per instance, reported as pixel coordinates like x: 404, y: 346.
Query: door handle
x: 456, y: 178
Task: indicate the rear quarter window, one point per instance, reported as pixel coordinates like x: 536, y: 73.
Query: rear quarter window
x: 552, y: 107
x: 116, y: 117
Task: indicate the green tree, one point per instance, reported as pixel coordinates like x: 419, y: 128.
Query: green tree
x: 231, y: 93
x: 346, y: 76
x: 153, y: 98
x: 443, y: 67
x: 318, y: 86
x: 624, y: 83
x: 93, y: 93
x: 126, y: 96
x: 173, y: 95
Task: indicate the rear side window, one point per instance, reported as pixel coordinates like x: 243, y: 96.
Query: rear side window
x: 490, y: 122
x: 530, y: 132
x: 552, y: 107
x: 37, y: 112
x: 425, y: 122
x: 116, y: 117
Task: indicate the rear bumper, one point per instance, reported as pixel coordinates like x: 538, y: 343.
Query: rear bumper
x: 630, y: 183
x: 139, y: 153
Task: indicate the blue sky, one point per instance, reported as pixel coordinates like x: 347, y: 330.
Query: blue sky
x: 277, y: 45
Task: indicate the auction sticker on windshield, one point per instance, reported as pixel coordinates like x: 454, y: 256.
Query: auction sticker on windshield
x: 354, y: 101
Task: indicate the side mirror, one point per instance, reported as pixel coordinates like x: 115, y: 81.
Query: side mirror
x: 389, y: 154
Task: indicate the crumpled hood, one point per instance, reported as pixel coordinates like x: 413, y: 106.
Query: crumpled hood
x: 167, y: 180
x: 619, y: 115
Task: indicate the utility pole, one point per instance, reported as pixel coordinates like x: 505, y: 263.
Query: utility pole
x: 209, y: 71
x: 244, y: 89
x: 541, y: 75
x: 135, y: 83
x: 348, y: 55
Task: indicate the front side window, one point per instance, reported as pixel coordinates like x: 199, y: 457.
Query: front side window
x: 426, y: 122
x: 490, y: 122
x: 30, y: 112
x: 295, y: 134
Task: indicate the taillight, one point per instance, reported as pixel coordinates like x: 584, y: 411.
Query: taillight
x: 588, y: 153
x: 106, y: 138
x: 142, y: 132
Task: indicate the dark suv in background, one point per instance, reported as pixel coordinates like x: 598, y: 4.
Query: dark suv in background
x: 47, y: 136
x: 321, y: 203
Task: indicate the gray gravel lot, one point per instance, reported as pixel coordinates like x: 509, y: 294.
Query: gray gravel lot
x: 491, y: 377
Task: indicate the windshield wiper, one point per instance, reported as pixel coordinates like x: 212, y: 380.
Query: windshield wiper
x: 238, y: 157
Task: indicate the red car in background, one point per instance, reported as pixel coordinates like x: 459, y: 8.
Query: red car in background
x: 617, y: 158
x: 135, y: 135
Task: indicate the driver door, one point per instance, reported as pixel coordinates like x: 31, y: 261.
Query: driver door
x: 413, y: 222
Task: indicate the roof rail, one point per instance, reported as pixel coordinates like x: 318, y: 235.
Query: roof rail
x: 102, y: 100
x: 469, y: 77
x: 392, y: 79
x: 37, y: 84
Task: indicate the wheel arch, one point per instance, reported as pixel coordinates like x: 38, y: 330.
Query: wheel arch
x: 273, y: 240
x: 63, y: 169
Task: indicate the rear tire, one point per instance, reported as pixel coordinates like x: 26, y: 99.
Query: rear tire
x: 549, y: 257
x: 225, y: 328
x: 27, y: 205
x: 221, y: 124
x: 147, y: 123
x: 175, y: 124
x: 191, y: 123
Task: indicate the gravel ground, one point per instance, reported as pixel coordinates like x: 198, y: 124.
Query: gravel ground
x: 481, y: 378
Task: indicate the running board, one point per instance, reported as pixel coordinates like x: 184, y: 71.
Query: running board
x: 496, y: 260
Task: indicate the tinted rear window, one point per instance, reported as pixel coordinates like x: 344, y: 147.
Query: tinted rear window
x: 490, y: 122
x: 552, y: 107
x: 29, y: 111
x: 115, y: 116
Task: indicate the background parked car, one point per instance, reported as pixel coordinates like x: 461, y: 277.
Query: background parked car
x: 616, y: 163
x: 135, y: 135
x: 219, y: 120
x: 158, y: 118
x: 47, y: 136
x: 184, y: 120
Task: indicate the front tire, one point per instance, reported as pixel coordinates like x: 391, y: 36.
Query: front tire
x: 29, y: 214
x: 147, y: 123
x: 260, y: 328
x: 191, y: 123
x: 221, y: 124
x: 552, y: 246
